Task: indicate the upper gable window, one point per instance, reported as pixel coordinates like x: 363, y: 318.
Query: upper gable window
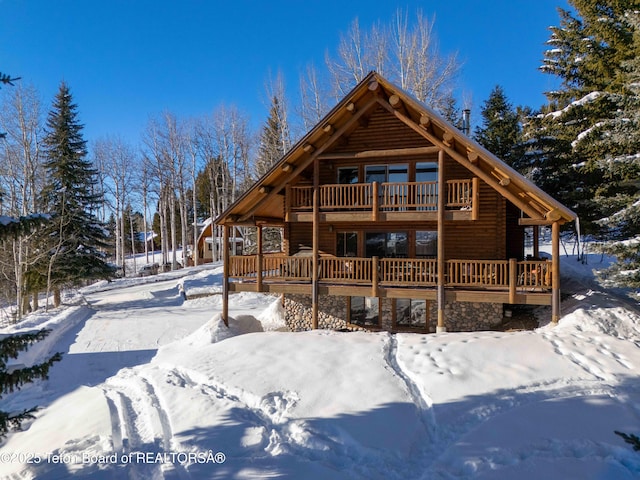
x: 386, y: 173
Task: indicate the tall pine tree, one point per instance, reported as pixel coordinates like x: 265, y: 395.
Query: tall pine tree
x: 75, y: 238
x: 619, y: 138
x: 500, y: 132
x: 586, y: 54
x: 274, y: 141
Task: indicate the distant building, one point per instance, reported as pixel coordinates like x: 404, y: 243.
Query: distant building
x: 207, y: 241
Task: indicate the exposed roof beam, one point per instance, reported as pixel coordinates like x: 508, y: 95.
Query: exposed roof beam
x: 529, y: 210
x: 396, y: 152
x: 321, y: 148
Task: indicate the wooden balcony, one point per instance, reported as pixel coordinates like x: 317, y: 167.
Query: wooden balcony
x: 382, y: 201
x: 505, y: 281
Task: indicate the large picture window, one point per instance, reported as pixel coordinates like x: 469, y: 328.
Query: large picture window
x: 426, y: 244
x: 386, y: 173
x: 364, y: 311
x: 411, y: 313
x: 387, y: 244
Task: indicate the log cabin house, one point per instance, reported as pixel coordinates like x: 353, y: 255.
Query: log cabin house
x: 393, y: 219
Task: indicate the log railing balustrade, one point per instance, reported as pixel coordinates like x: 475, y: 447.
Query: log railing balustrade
x: 512, y: 275
x: 391, y: 196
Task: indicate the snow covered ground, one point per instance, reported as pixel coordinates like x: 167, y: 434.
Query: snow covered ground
x: 153, y: 386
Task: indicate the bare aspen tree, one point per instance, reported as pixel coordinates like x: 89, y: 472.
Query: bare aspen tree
x: 144, y: 179
x: 166, y: 141
x: 194, y: 166
x: 419, y: 66
x: 156, y: 163
x: 358, y: 53
x: 21, y: 180
x: 215, y: 172
x: 173, y: 142
x: 313, y: 98
x: 405, y: 51
x: 117, y: 160
x: 224, y: 143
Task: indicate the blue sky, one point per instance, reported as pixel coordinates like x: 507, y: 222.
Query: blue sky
x: 127, y: 60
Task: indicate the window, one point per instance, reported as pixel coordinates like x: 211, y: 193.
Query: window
x: 427, y: 194
x: 364, y: 311
x: 386, y: 173
x: 347, y: 244
x: 347, y: 175
x: 426, y: 244
x: 426, y: 172
x: 411, y: 312
x: 387, y: 244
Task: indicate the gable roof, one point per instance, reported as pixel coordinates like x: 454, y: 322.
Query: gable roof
x: 264, y: 202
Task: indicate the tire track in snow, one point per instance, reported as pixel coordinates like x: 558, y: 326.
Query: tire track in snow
x: 141, y: 424
x: 126, y: 430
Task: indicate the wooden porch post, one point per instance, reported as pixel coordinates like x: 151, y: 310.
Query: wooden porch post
x: 555, y: 272
x: 316, y: 238
x: 259, y: 259
x: 536, y: 241
x: 225, y: 274
x: 441, y: 263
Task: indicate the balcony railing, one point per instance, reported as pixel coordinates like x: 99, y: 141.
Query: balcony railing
x: 531, y: 275
x: 392, y: 196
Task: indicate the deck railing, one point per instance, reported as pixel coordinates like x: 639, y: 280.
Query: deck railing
x: 390, y: 196
x: 490, y: 274
x: 478, y: 273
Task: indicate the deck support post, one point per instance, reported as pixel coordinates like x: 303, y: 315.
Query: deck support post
x: 475, y: 198
x: 513, y: 280
x: 225, y: 274
x: 316, y: 240
x: 259, y: 259
x: 441, y: 261
x: 375, y: 291
x: 555, y: 272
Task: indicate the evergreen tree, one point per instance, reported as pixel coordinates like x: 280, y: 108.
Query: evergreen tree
x: 273, y: 140
x: 619, y: 138
x: 10, y: 380
x: 450, y: 111
x: 500, y: 132
x: 75, y: 237
x: 12, y: 345
x: 586, y: 54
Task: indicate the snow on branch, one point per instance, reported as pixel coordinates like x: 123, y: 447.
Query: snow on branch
x: 589, y: 98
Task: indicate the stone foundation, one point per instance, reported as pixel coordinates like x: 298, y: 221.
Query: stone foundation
x: 332, y: 314
x: 467, y: 316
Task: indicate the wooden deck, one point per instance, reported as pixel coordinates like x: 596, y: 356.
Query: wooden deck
x: 495, y: 281
x: 380, y: 201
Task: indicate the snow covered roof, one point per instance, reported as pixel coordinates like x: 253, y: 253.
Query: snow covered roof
x: 264, y: 202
